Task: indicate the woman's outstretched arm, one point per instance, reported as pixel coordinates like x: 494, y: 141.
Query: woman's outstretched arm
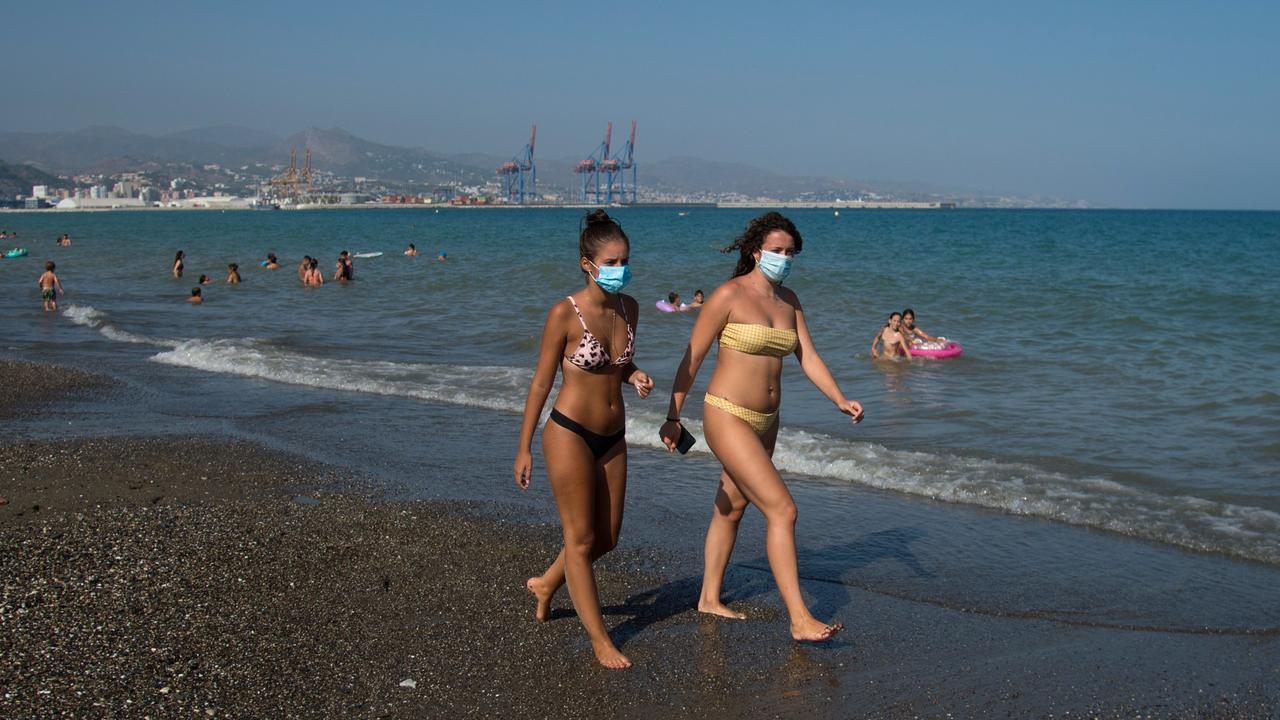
x: 818, y: 373
x: 711, y: 320
x: 544, y: 378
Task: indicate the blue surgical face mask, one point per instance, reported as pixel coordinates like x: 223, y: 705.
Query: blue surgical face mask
x: 774, y: 266
x: 612, y: 278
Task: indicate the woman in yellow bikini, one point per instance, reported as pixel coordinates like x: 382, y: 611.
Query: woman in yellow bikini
x: 758, y: 323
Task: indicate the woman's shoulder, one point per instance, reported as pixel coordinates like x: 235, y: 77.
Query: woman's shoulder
x: 562, y: 309
x: 727, y: 291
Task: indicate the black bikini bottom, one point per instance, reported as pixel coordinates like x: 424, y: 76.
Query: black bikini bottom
x: 598, y: 444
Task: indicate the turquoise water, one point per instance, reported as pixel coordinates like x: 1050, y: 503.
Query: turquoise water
x: 1121, y: 369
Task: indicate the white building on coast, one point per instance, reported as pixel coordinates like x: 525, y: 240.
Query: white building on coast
x: 73, y: 203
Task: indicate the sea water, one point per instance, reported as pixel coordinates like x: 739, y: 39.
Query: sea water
x: 1120, y: 379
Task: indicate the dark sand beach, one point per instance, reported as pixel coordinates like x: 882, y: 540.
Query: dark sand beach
x: 170, y: 576
x: 164, y: 576
x: 26, y: 384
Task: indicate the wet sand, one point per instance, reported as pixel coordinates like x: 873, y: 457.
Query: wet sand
x: 27, y: 384
x: 205, y: 576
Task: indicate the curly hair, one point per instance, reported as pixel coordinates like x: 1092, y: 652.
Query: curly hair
x: 753, y: 237
x: 597, y: 229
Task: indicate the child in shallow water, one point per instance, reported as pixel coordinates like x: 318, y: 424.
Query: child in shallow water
x: 894, y: 341
x: 911, y: 332
x: 50, y: 286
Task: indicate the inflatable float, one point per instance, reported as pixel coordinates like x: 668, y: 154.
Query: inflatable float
x: 665, y: 306
x: 16, y: 253
x: 943, y: 348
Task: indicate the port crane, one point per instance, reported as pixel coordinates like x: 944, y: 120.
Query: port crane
x: 292, y: 183
x: 589, y: 170
x: 514, y: 171
x: 618, y: 165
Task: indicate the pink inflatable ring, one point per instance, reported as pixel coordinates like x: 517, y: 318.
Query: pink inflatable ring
x: 941, y: 349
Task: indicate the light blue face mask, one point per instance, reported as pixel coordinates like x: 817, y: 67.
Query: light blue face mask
x: 774, y: 266
x: 612, y: 278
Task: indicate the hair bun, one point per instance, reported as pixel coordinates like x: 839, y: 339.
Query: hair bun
x: 595, y: 217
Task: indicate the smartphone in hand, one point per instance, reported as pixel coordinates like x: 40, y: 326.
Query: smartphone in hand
x: 686, y: 440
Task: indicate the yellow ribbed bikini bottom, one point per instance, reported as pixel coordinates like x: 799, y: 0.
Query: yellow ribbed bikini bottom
x: 760, y: 422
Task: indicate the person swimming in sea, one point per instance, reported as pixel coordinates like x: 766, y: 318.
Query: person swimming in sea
x: 303, y: 268
x: 891, y: 336
x: 204, y: 280
x: 914, y: 334
x: 178, y: 264
x: 411, y: 251
x: 345, y: 269
x: 584, y: 442
x: 271, y: 263
x: 196, y: 297
x: 233, y: 274
x: 698, y: 299
x: 673, y: 299
x: 758, y: 322
x: 313, y: 276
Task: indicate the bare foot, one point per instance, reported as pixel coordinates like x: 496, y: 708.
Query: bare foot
x: 540, y: 591
x: 610, y: 657
x: 715, y: 607
x: 812, y: 630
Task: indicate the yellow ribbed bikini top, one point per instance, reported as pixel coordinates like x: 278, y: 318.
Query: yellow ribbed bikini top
x: 758, y: 339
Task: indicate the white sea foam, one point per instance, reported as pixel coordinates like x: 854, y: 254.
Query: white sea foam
x: 90, y: 316
x: 85, y: 315
x: 1019, y: 489
x: 495, y: 388
x: 1015, y: 488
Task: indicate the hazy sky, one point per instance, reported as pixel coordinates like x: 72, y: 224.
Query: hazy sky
x: 1144, y: 104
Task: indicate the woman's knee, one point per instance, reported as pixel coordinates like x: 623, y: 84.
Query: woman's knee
x: 730, y: 509
x: 783, y: 512
x: 581, y: 544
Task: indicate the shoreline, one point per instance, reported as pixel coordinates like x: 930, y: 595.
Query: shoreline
x: 294, y: 589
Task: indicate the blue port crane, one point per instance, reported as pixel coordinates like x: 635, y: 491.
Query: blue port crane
x: 588, y: 170
x: 520, y: 174
x: 617, y: 166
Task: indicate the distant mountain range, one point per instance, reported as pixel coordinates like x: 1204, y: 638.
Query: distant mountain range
x: 111, y: 150
x: 18, y: 179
